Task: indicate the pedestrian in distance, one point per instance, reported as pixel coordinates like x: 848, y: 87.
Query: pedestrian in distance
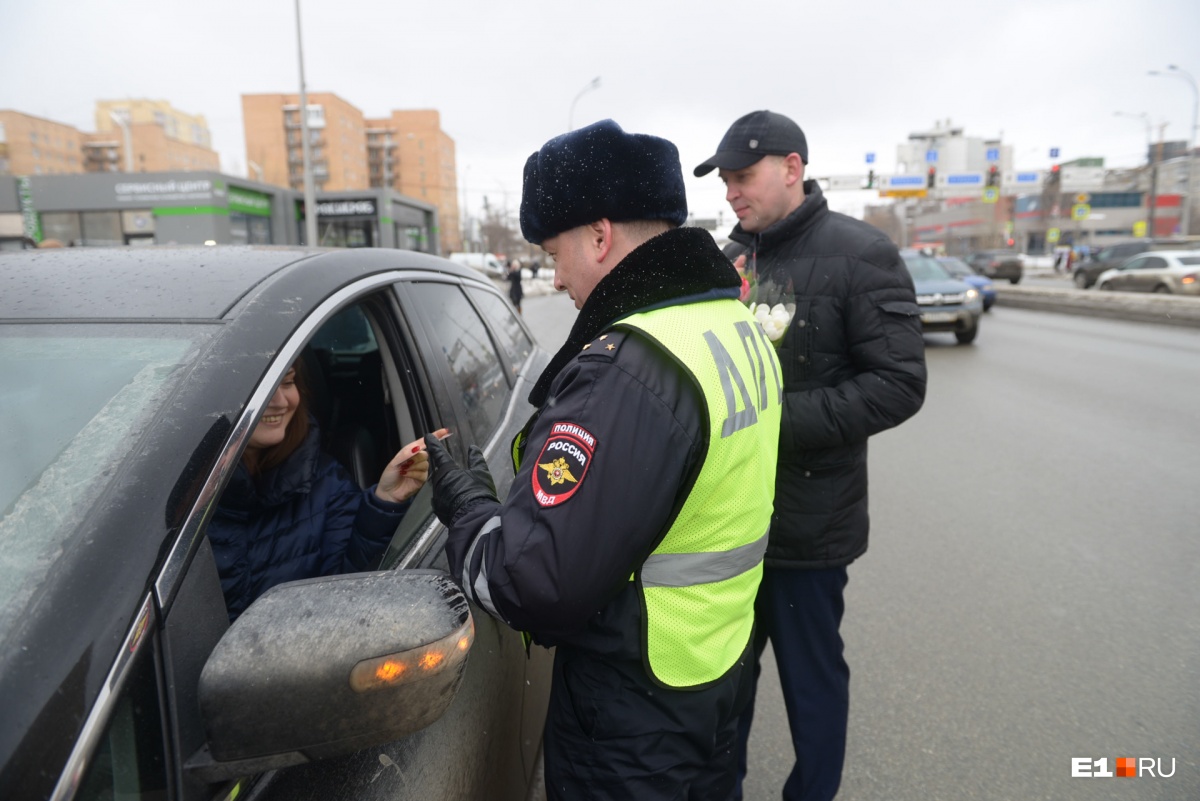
x: 633, y: 534
x: 515, y: 293
x: 853, y: 364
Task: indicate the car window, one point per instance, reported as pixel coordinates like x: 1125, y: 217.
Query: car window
x: 923, y: 268
x: 1134, y: 264
x: 1189, y: 260
x: 474, y: 362
x: 512, y: 336
x: 1154, y: 263
x: 130, y: 762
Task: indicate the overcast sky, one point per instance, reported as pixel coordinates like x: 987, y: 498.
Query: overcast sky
x: 857, y: 75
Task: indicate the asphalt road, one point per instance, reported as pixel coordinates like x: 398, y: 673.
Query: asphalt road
x: 1032, y: 591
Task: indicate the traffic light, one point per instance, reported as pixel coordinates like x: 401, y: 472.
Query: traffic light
x: 993, y: 178
x: 870, y: 179
x: 932, y: 182
x: 1054, y: 176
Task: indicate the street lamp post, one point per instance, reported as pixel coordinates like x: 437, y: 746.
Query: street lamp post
x: 119, y: 118
x: 310, y: 194
x: 1145, y: 118
x: 1178, y: 72
x: 593, y: 84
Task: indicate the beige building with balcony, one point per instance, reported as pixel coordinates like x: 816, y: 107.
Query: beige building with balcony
x: 337, y: 135
x: 406, y: 152
x: 32, y: 145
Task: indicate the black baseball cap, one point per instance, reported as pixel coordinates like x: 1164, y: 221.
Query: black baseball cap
x: 758, y: 134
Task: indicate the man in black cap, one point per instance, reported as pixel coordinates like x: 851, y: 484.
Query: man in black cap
x: 633, y: 534
x: 853, y: 365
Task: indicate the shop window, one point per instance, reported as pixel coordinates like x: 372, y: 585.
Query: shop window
x: 102, y: 228
x: 63, y: 226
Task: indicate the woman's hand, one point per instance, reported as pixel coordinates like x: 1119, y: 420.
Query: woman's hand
x: 407, y: 471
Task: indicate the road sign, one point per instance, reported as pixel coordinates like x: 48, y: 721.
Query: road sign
x: 843, y: 182
x: 1054, y: 152
x: 1139, y: 228
x: 931, y: 156
x: 993, y: 154
x: 870, y: 158
x: 990, y: 194
x: 963, y: 179
x: 902, y: 181
x: 1052, y: 235
x: 903, y: 192
x: 1080, y: 211
x: 1082, y: 197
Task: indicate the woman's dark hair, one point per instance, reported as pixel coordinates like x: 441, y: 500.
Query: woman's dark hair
x: 297, y: 430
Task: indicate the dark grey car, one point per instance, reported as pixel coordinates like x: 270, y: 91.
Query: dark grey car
x: 998, y: 264
x: 131, y: 380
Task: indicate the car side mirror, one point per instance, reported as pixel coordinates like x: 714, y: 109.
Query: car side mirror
x: 325, y: 667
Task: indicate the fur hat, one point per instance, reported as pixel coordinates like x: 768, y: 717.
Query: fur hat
x: 600, y: 172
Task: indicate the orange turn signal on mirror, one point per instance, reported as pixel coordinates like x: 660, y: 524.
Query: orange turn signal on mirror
x: 412, y: 665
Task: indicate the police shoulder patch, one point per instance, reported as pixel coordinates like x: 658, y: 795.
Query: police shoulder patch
x: 563, y: 463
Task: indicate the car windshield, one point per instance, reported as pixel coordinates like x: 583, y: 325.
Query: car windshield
x: 956, y: 267
x: 925, y: 268
x: 76, y: 399
x: 1189, y: 260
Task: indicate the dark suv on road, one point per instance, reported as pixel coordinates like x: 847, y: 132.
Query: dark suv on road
x: 1115, y: 255
x: 997, y: 264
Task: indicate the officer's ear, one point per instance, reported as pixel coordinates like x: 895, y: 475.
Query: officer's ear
x: 599, y: 239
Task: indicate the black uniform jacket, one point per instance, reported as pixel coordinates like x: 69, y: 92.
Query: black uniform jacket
x: 853, y: 363
x: 609, y: 458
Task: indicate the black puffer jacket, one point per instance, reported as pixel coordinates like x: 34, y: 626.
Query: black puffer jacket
x: 853, y: 365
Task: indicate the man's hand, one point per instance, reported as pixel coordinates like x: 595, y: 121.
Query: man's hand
x: 455, y: 487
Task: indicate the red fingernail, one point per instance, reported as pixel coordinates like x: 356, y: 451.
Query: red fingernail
x: 416, y: 448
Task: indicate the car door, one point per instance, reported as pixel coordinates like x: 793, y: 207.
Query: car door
x: 1125, y: 277
x: 488, y: 742
x: 1149, y: 274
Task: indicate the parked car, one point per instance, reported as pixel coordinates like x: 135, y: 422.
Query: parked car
x: 487, y: 263
x: 1172, y: 272
x: 131, y: 383
x: 962, y: 271
x: 997, y: 264
x: 1086, y: 273
x: 946, y: 303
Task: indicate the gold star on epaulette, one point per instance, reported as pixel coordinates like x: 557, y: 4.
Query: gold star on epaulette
x: 588, y: 345
x: 610, y: 346
x: 603, y: 336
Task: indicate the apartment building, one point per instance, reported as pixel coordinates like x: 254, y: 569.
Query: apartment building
x: 406, y: 152
x: 337, y: 135
x: 32, y: 145
x: 160, y: 139
x: 410, y: 153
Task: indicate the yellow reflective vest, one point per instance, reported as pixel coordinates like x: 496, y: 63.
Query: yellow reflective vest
x: 699, y: 584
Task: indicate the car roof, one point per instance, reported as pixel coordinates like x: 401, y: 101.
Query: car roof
x: 1170, y: 253
x: 190, y: 283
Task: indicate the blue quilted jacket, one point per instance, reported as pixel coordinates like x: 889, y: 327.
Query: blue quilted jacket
x: 302, y: 519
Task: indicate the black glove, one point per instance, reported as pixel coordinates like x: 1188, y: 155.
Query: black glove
x: 454, y: 488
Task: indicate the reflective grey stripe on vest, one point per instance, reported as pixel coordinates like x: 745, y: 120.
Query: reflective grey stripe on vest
x: 689, y: 569
x: 480, y: 589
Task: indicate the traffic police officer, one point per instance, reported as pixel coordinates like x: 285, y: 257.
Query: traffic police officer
x: 633, y: 535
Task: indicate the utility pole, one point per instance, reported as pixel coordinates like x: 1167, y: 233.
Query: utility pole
x: 1157, y: 159
x: 310, y: 194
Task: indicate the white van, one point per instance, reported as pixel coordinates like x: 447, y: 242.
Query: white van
x: 484, y: 262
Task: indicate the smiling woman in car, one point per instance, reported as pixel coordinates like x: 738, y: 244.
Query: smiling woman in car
x: 291, y: 511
